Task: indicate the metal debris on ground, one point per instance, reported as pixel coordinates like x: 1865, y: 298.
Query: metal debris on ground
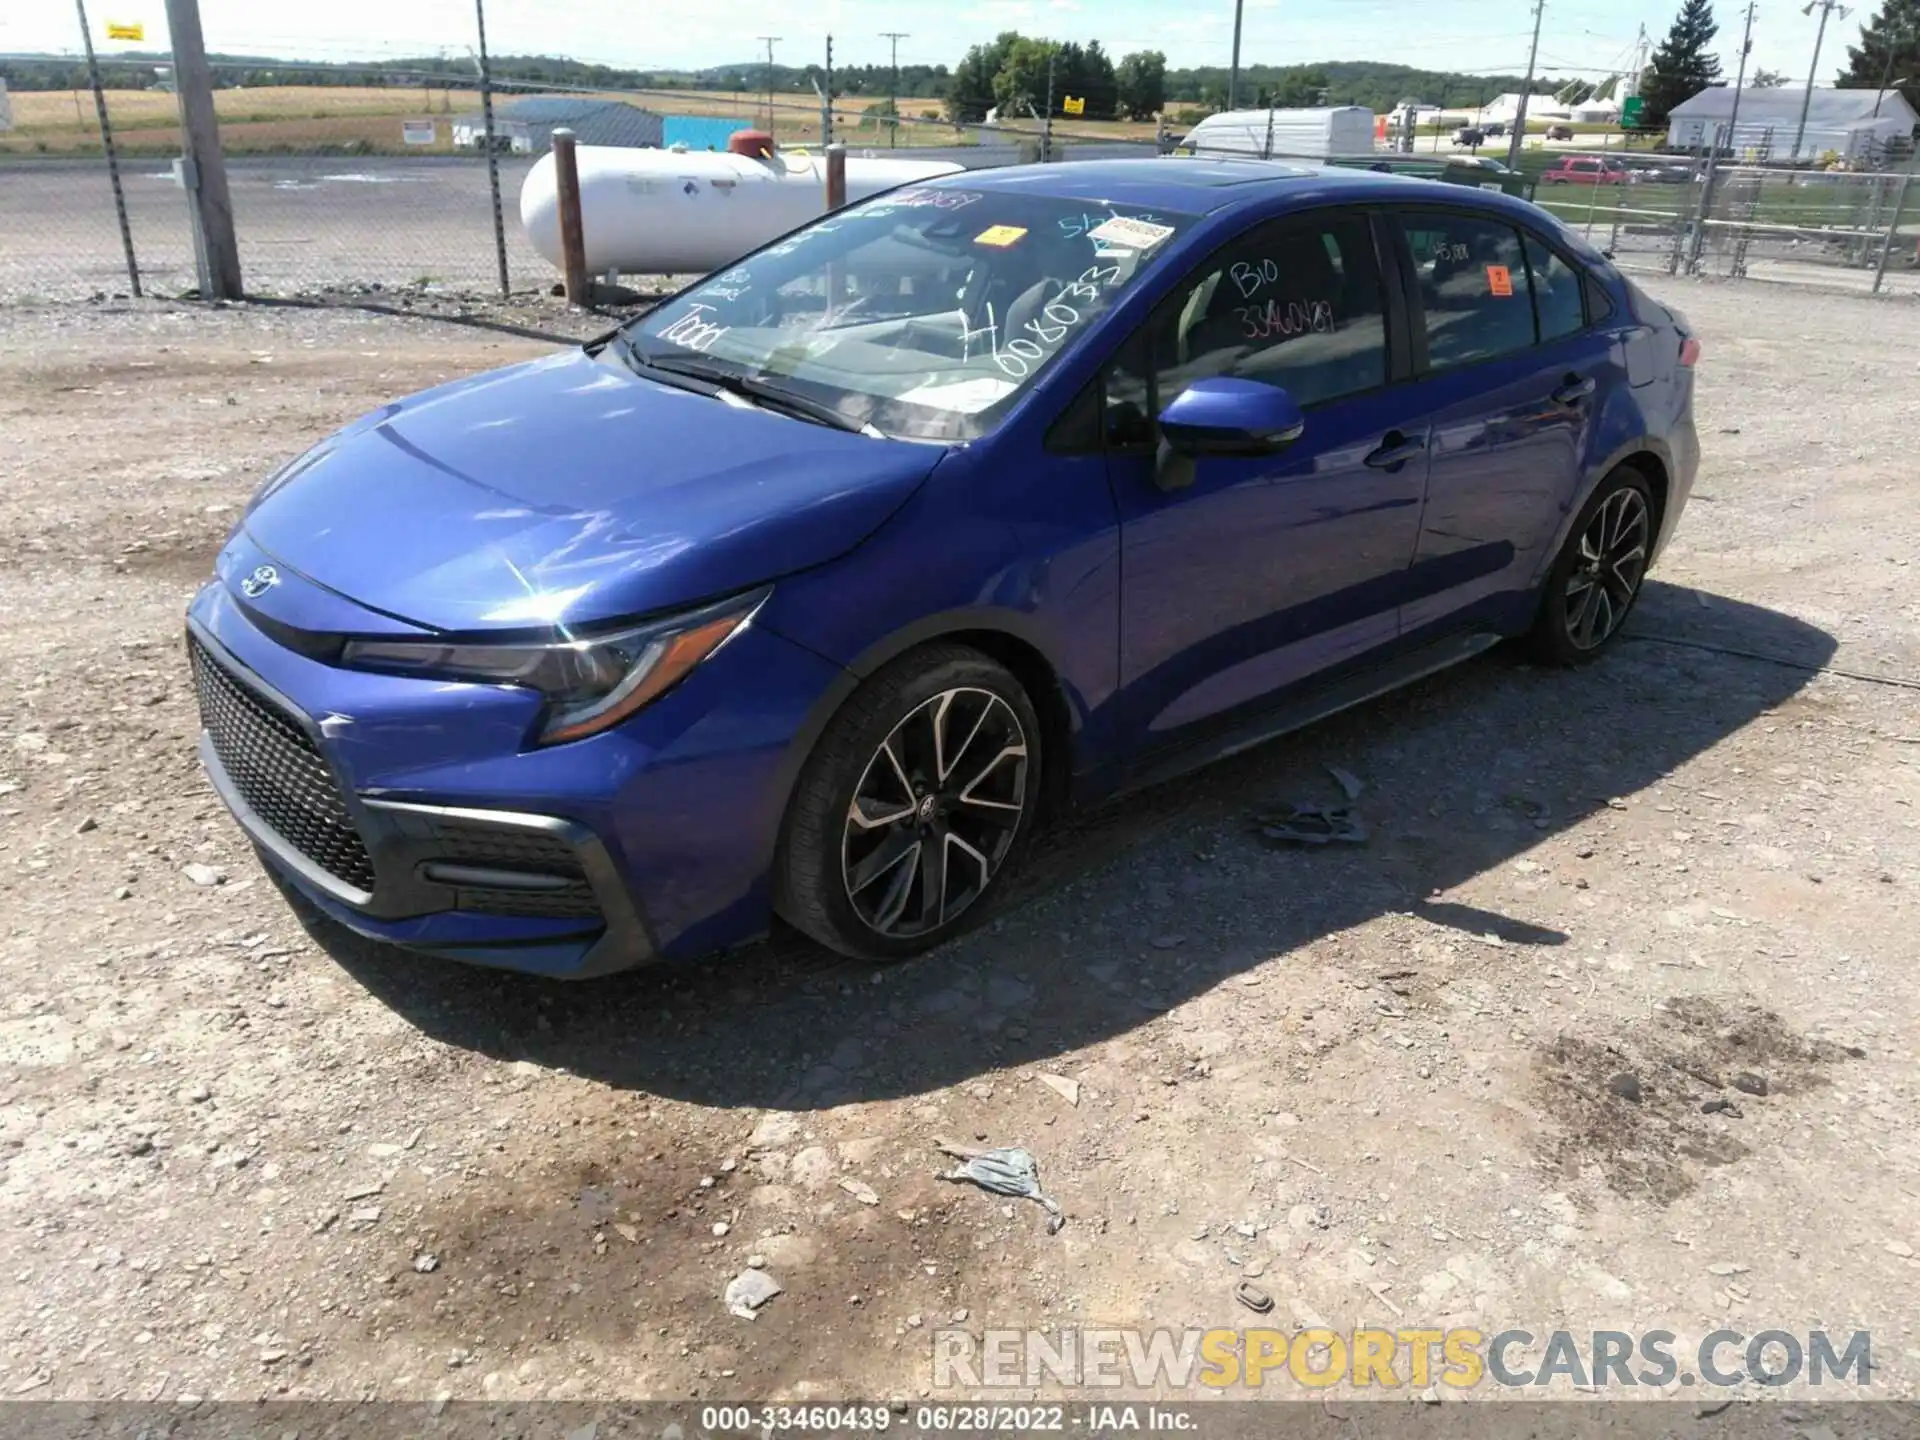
x: 1253, y: 1297
x: 748, y: 1291
x: 1298, y: 824
x: 1065, y: 1087
x: 1347, y: 781
x: 1005, y: 1171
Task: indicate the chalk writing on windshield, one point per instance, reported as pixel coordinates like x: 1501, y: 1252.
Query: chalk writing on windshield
x: 938, y: 199
x: 1074, y: 226
x: 694, y: 330
x: 1021, y: 353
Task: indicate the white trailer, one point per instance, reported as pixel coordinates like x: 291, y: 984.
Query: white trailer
x: 1322, y: 134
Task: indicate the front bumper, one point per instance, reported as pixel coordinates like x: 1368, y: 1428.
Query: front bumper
x: 415, y: 811
x: 494, y: 887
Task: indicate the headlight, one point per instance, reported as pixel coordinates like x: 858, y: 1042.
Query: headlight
x: 590, y: 682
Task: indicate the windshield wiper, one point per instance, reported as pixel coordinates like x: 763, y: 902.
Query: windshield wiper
x: 777, y: 397
x: 629, y: 355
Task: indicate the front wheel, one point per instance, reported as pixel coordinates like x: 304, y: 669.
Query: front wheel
x: 916, y: 800
x: 1597, y: 577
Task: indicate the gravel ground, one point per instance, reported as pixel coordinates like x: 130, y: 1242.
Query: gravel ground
x: 245, y: 1156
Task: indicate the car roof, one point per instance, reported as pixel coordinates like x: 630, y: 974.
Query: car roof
x: 1204, y: 186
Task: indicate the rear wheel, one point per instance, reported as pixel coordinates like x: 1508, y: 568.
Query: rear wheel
x: 1597, y: 577
x: 914, y: 803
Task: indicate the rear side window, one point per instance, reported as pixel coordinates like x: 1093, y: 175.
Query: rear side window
x: 1473, y: 284
x: 1557, y: 299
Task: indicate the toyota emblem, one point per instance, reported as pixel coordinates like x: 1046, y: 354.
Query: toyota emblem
x: 263, y: 579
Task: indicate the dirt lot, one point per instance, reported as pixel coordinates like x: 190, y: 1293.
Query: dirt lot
x: 246, y: 1159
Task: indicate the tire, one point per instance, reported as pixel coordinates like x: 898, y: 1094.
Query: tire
x: 881, y: 855
x: 1599, y: 572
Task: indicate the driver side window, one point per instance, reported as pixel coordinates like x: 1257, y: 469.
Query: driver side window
x: 1295, y: 303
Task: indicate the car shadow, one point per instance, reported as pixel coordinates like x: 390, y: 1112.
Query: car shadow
x: 1125, y: 913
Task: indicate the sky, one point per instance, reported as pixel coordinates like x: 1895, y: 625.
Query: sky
x: 1578, y: 37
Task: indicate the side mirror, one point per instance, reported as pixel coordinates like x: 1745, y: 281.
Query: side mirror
x: 1222, y: 415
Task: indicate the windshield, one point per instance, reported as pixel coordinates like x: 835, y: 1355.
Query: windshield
x: 923, y: 313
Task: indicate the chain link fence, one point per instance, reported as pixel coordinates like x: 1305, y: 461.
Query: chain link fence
x: 378, y: 183
x: 1842, y: 230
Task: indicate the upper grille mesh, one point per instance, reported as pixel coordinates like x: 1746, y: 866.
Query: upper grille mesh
x: 278, y: 772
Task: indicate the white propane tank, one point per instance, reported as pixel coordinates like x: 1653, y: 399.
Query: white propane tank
x: 672, y: 212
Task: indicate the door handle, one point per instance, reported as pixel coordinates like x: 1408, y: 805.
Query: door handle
x: 1395, y: 450
x: 1575, y: 389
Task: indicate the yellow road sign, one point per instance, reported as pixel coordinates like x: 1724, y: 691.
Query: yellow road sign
x: 126, y: 32
x: 1074, y: 105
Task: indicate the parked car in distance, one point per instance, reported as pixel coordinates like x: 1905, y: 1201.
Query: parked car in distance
x: 1559, y: 132
x: 818, y: 590
x: 1585, y: 170
x: 1491, y: 128
x: 1659, y: 170
x: 1469, y: 135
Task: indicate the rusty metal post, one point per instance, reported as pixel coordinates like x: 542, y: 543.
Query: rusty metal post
x: 836, y: 176
x: 573, y: 239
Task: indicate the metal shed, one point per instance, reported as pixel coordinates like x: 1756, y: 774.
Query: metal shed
x: 527, y: 126
x: 1841, y: 122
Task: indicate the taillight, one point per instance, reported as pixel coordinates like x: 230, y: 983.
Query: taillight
x: 1689, y: 352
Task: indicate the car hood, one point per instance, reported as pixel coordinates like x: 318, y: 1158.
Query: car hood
x: 569, y: 490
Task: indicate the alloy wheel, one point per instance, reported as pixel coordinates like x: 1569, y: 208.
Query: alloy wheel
x: 936, y: 810
x: 1608, y: 569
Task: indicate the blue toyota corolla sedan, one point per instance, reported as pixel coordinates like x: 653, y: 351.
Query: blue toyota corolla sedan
x: 814, y: 592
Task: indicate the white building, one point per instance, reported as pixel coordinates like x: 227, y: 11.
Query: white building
x: 1839, y: 122
x: 1505, y: 109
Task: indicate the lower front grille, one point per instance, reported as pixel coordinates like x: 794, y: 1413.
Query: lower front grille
x: 533, y: 852
x: 278, y: 772
x: 576, y: 902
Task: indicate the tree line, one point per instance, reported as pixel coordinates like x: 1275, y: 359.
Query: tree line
x: 1015, y: 74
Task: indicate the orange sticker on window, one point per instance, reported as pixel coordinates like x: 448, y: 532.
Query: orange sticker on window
x: 1499, y: 280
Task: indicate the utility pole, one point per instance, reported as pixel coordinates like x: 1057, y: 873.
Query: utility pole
x: 1046, y: 139
x: 1631, y: 86
x: 1826, y: 9
x: 1746, y: 49
x: 1233, y: 75
x: 1520, y: 119
x: 769, y: 41
x: 216, y: 251
x: 113, y: 159
x: 826, y: 99
x: 1886, y: 75
x: 893, y: 129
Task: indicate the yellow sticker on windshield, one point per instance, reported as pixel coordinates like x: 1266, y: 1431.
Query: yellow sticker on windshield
x: 1001, y: 235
